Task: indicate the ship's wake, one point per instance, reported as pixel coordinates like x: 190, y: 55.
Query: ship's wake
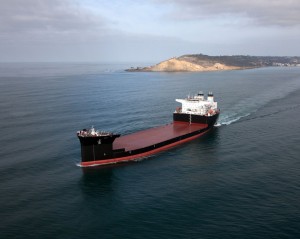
x: 259, y: 116
x: 249, y: 106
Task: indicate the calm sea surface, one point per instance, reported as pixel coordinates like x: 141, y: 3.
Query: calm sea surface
x: 241, y: 180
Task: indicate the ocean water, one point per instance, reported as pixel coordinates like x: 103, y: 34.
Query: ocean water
x: 241, y: 180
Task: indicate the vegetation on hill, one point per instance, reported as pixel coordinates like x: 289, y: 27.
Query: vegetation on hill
x: 200, y: 62
x: 241, y: 60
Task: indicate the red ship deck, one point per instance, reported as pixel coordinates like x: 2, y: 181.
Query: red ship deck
x: 156, y: 135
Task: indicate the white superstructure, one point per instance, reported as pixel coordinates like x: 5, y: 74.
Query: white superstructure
x: 198, y: 105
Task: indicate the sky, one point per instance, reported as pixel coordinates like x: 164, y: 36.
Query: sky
x: 145, y: 30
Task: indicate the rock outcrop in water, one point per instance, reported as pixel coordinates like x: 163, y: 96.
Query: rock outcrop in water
x: 216, y: 63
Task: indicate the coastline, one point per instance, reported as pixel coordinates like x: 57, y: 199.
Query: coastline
x: 176, y: 65
x: 204, y: 63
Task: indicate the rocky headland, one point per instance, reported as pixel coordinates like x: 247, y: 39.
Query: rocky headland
x: 200, y: 62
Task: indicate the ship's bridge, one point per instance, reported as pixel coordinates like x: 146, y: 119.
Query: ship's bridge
x: 198, y: 105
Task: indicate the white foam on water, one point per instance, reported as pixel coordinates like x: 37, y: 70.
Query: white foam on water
x: 250, y: 105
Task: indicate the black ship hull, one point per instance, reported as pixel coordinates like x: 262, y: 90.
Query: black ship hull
x: 197, y: 119
x: 99, y: 151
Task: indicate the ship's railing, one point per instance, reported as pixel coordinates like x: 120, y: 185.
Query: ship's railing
x: 207, y: 112
x: 89, y: 133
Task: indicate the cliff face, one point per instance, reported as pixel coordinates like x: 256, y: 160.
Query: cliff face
x: 175, y: 64
x: 216, y: 63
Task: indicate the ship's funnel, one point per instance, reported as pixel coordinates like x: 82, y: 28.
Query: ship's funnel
x: 200, y: 95
x: 210, y: 97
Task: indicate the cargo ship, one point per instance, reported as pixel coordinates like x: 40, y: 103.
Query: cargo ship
x: 196, y: 116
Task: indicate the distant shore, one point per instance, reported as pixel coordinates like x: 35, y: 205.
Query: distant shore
x: 201, y: 63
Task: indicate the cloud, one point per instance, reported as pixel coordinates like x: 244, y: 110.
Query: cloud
x: 49, y: 30
x: 98, y: 30
x: 264, y: 12
x: 33, y: 16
